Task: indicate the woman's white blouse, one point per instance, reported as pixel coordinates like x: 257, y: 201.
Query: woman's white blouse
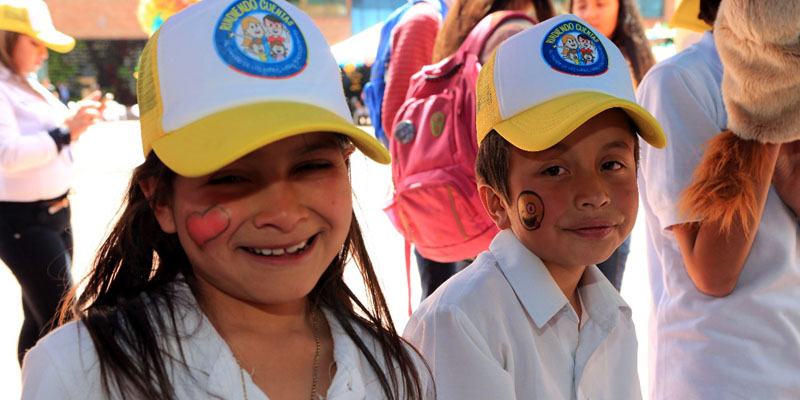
x: 31, y: 168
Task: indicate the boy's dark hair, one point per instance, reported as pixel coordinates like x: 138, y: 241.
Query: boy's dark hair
x: 272, y: 18
x: 708, y: 11
x: 492, y: 163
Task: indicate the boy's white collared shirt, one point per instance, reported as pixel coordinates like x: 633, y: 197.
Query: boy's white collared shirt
x: 64, y: 364
x: 502, y: 329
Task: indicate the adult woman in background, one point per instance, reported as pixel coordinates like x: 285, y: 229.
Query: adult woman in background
x: 620, y: 21
x: 36, y: 130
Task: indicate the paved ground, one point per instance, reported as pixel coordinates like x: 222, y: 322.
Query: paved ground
x: 103, y: 162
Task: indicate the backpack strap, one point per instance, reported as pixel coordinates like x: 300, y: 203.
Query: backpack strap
x: 478, y: 36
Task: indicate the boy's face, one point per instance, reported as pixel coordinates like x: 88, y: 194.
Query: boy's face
x: 575, y: 202
x: 275, y: 28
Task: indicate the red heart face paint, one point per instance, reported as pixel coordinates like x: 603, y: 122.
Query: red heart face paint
x: 208, y: 225
x: 531, y: 210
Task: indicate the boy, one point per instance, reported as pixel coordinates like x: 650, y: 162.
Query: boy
x: 532, y: 317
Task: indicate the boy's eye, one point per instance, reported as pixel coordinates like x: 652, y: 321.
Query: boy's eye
x: 555, y: 171
x: 313, y: 166
x: 613, y: 165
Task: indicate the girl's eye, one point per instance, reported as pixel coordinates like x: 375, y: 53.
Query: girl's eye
x: 555, y: 171
x: 226, y: 179
x: 613, y: 165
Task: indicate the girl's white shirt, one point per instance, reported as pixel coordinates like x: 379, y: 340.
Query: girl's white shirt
x: 31, y: 167
x: 64, y: 364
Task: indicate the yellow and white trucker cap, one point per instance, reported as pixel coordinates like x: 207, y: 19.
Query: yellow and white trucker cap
x: 32, y: 18
x: 222, y: 78
x: 544, y: 82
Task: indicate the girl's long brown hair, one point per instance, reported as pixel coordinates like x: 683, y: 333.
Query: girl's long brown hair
x: 463, y: 15
x: 629, y: 37
x: 8, y: 40
x: 136, y: 267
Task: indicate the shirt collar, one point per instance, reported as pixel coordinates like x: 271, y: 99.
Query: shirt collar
x: 208, y: 353
x: 538, y: 292
x: 528, y: 277
x: 601, y: 298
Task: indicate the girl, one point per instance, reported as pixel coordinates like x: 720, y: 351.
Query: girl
x: 619, y: 20
x: 465, y: 14
x: 222, y: 277
x: 462, y: 17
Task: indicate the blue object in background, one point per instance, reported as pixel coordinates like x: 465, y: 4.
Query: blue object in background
x: 366, y: 13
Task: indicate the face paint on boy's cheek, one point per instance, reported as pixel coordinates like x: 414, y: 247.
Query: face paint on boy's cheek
x: 530, y: 209
x: 203, y: 227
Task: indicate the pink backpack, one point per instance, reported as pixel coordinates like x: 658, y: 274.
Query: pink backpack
x: 434, y: 145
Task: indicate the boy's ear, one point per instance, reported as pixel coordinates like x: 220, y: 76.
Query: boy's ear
x: 495, y: 205
x: 162, y: 212
x: 349, y: 150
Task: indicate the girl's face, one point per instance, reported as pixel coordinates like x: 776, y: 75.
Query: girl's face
x: 28, y: 54
x: 601, y: 14
x: 264, y: 228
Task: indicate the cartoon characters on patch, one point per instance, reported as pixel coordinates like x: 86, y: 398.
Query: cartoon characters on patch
x: 259, y: 38
x: 574, y: 48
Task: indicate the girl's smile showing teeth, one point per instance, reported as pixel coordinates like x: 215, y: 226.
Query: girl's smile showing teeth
x: 298, y: 248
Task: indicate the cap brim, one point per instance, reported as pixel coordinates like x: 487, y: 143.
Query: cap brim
x: 214, y: 141
x: 560, y: 117
x: 56, y: 41
x: 686, y: 17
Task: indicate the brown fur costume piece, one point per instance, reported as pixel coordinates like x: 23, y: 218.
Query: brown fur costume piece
x: 759, y: 44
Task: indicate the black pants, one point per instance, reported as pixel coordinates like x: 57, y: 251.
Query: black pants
x: 434, y: 273
x: 37, y: 247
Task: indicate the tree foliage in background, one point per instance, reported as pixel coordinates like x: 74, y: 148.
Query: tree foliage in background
x: 109, y: 63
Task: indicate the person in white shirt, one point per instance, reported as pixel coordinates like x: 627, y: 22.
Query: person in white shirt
x: 36, y: 131
x: 533, y: 318
x: 724, y: 323
x: 223, y: 275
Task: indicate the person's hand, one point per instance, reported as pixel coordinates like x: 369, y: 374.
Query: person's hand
x: 84, y: 114
x: 786, y: 177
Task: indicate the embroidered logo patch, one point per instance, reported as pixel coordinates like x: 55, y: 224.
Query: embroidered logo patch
x: 573, y: 48
x: 437, y: 123
x: 259, y: 38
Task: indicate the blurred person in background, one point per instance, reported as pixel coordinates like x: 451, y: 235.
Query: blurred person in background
x: 465, y: 14
x: 462, y: 17
x: 620, y: 21
x: 36, y: 131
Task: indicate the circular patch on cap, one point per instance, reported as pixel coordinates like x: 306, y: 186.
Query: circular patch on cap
x: 574, y: 48
x: 259, y: 38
